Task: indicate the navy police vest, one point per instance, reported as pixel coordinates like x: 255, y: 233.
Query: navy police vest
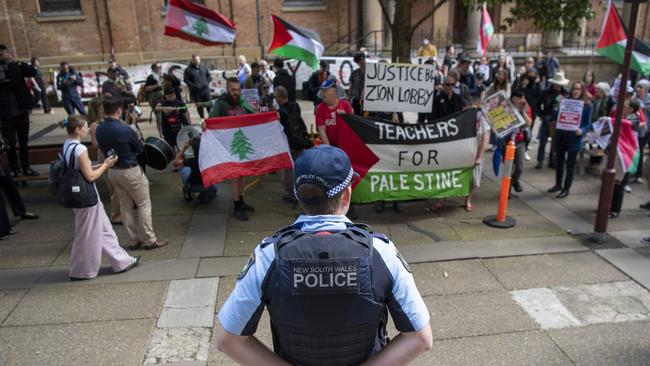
x: 320, y: 297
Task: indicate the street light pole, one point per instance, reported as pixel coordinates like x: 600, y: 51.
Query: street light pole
x: 607, y: 186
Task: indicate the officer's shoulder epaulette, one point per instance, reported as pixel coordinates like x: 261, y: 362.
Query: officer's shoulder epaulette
x: 272, y: 238
x: 381, y: 237
x: 266, y: 241
x: 362, y: 226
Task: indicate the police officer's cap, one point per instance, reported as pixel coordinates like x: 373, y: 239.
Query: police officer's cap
x: 325, y: 166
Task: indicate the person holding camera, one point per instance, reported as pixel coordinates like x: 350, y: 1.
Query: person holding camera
x: 67, y: 82
x: 131, y: 185
x: 93, y: 233
x: 15, y: 104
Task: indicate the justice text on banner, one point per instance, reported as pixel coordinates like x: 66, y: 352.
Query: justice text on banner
x: 398, y: 87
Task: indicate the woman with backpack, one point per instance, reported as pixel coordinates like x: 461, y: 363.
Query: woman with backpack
x: 94, y: 234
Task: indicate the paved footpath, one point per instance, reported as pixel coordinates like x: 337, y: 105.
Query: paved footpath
x: 539, y: 293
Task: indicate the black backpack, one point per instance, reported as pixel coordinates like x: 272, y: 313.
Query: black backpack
x: 74, y: 190
x: 57, y: 168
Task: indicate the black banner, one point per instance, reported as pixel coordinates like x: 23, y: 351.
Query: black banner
x: 458, y: 126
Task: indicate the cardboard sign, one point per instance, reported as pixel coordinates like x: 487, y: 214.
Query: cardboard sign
x: 398, y: 87
x: 252, y: 97
x: 568, y: 118
x: 501, y: 115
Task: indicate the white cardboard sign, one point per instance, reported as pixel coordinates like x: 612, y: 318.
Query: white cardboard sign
x: 568, y: 118
x: 398, y: 87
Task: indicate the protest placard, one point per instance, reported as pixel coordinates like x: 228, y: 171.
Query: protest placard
x: 398, y: 87
x: 410, y: 161
x: 501, y: 115
x: 251, y: 96
x: 568, y: 119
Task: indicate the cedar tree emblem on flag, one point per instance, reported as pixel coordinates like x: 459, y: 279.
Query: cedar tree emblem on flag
x: 240, y: 145
x: 197, y: 23
x: 292, y: 41
x: 200, y: 28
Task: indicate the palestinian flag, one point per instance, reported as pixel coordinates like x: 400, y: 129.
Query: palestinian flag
x: 292, y: 41
x: 486, y: 32
x: 246, y: 145
x: 410, y: 161
x: 197, y: 23
x: 628, y: 147
x: 613, y: 39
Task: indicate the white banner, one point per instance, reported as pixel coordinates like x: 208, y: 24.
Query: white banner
x: 398, y: 87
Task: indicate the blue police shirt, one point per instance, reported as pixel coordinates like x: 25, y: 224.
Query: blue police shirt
x: 244, y: 305
x: 114, y: 134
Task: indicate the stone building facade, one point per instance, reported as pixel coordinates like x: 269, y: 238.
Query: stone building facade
x: 90, y: 31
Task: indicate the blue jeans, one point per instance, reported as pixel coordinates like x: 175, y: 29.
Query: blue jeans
x: 197, y: 188
x: 72, y: 102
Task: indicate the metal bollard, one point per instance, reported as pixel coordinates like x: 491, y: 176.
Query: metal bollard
x: 500, y: 220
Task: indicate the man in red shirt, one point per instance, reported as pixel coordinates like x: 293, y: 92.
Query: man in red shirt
x: 330, y: 112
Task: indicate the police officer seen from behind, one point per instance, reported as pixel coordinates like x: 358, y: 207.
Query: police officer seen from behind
x: 327, y: 283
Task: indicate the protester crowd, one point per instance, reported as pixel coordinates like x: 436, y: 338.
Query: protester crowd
x: 535, y: 90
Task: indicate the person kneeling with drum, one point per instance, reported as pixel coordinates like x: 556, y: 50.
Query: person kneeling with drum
x: 191, y: 174
x: 131, y: 185
x: 174, y: 116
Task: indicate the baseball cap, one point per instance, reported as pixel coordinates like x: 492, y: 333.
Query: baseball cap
x: 325, y: 166
x: 329, y: 83
x: 464, y: 58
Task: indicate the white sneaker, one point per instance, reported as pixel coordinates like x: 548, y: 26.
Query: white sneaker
x: 526, y: 157
x: 627, y: 189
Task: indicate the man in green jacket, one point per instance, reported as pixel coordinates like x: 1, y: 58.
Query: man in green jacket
x: 231, y: 104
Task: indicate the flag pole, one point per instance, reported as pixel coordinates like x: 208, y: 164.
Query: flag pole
x: 607, y: 185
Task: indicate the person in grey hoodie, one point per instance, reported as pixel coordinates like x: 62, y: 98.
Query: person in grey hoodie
x: 197, y: 77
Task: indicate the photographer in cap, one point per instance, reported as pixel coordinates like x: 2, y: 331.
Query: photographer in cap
x: 15, y: 104
x: 327, y: 283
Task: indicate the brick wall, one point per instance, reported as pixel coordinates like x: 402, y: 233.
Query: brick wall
x: 136, y: 29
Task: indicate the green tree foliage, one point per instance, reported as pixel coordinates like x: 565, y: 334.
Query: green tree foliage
x: 546, y: 15
x: 240, y: 145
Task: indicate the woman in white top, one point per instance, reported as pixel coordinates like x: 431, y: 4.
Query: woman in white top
x: 93, y: 234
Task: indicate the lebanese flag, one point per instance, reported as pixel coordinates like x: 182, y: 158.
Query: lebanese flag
x: 486, y: 32
x: 613, y: 39
x: 292, y: 41
x: 196, y: 23
x: 247, y: 145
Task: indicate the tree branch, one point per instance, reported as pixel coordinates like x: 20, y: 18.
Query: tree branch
x: 384, y: 11
x: 426, y: 16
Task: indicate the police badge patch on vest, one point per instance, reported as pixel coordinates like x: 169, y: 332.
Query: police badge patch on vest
x: 324, y: 276
x: 249, y: 264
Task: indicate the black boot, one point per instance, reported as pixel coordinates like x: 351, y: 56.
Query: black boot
x: 239, y: 211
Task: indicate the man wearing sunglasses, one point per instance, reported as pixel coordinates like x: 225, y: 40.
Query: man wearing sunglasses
x: 446, y: 102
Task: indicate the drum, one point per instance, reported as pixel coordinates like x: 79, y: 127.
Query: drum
x: 186, y: 133
x: 158, y: 153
